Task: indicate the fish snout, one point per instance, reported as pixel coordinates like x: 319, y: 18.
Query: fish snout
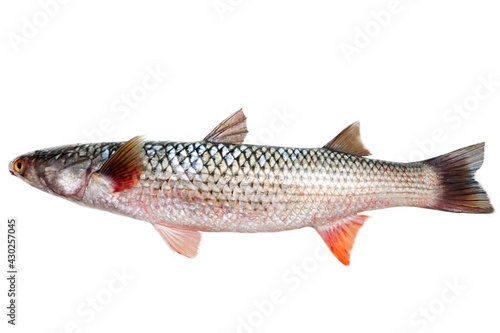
x: 11, y: 166
x: 21, y: 168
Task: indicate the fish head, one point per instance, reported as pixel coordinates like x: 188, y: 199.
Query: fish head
x: 61, y: 171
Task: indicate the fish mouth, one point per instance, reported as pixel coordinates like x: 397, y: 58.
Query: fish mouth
x: 11, y: 167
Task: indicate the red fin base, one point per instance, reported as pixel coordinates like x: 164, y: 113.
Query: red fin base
x: 124, y: 167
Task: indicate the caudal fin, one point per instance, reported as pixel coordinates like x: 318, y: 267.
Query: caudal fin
x: 460, y: 192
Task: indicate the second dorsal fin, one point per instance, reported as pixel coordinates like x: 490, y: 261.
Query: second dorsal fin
x: 233, y: 129
x: 349, y: 141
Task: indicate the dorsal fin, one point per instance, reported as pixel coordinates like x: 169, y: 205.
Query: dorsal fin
x: 349, y: 141
x: 125, y: 166
x: 233, y: 129
x: 339, y: 236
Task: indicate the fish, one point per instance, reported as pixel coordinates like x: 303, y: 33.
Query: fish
x: 221, y: 184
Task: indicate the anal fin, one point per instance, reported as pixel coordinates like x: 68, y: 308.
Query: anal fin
x: 340, y: 235
x: 182, y: 241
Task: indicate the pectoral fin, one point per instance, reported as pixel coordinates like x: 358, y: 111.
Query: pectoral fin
x: 340, y: 235
x: 124, y: 167
x: 182, y: 241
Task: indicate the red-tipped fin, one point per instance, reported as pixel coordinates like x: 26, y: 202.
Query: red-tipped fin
x: 340, y: 236
x: 182, y: 241
x: 124, y: 167
x: 233, y: 129
x: 349, y: 141
x: 458, y: 190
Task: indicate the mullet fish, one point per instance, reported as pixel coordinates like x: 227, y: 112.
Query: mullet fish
x: 220, y: 184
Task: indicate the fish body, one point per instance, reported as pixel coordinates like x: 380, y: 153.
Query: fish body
x: 220, y: 184
x: 247, y: 188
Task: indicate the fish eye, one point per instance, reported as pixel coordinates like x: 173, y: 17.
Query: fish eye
x: 19, y: 166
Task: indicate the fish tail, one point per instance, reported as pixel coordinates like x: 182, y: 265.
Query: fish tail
x: 458, y: 190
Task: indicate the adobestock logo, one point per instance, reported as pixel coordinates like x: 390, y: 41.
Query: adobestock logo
x: 122, y: 106
x: 292, y: 279
x: 278, y: 123
x: 32, y: 25
x: 425, y: 315
x: 453, y: 118
x: 222, y: 7
x: 88, y: 310
x: 363, y: 36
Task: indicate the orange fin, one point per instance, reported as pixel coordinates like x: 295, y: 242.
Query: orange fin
x: 124, y: 167
x: 340, y: 235
x: 349, y: 141
x: 232, y: 130
x: 182, y: 241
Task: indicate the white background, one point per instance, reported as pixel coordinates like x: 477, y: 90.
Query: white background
x: 271, y: 58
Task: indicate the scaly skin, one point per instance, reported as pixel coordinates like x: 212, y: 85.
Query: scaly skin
x: 243, y: 188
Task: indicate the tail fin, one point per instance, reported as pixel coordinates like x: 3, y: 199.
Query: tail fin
x: 459, y: 190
